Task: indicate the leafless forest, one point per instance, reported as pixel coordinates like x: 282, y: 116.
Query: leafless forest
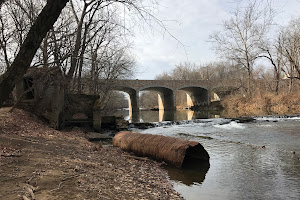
x: 91, y: 40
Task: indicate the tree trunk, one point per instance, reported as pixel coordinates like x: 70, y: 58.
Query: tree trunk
x: 79, y: 88
x: 74, y: 59
x: 291, y: 84
x: 277, y: 86
x: 249, y: 82
x: 45, y: 53
x: 1, y: 2
x: 37, y: 32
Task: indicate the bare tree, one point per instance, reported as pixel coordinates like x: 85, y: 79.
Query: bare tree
x: 243, y: 34
x: 37, y: 32
x: 274, y: 53
x: 40, y: 24
x: 291, y: 50
x: 1, y: 2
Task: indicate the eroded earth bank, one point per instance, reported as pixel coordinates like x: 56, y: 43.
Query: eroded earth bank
x: 38, y: 162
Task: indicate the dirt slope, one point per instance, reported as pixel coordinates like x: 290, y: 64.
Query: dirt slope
x: 42, y: 163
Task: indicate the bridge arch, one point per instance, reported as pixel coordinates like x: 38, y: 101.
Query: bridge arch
x: 133, y: 96
x: 133, y: 101
x: 223, y: 91
x: 196, y: 95
x: 197, y: 90
x: 166, y: 95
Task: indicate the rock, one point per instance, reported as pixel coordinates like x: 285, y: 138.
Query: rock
x: 114, y: 122
x: 121, y: 124
x: 108, y: 122
x: 92, y: 136
x: 143, y: 125
x: 243, y: 119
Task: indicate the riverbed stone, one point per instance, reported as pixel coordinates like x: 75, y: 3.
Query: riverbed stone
x: 243, y: 119
x: 121, y: 124
x: 145, y: 125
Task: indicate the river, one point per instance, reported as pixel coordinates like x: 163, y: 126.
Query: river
x: 257, y: 160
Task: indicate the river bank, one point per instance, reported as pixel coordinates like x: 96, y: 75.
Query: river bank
x: 261, y: 104
x: 42, y: 163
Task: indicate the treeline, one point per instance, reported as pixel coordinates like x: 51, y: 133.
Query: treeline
x: 260, y: 58
x: 250, y: 53
x: 88, y: 40
x: 246, y: 40
x: 271, y: 60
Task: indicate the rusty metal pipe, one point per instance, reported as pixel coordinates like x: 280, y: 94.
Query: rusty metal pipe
x: 174, y: 151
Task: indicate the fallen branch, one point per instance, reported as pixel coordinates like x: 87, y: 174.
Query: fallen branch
x: 64, y: 179
x: 58, y: 187
x: 30, y: 191
x: 10, y: 155
x: 19, y: 99
x: 34, y: 189
x: 25, y: 198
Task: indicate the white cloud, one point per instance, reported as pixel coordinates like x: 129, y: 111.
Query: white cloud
x: 191, y: 22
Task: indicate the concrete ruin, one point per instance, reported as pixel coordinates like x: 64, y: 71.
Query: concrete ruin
x: 43, y: 92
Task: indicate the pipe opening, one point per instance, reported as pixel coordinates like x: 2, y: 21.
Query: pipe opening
x: 195, y: 154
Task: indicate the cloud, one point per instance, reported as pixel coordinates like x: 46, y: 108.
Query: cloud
x: 190, y: 22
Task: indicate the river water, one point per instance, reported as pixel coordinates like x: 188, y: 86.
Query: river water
x: 257, y: 160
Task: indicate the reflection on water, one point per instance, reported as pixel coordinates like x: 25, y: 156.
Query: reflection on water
x: 191, y: 173
x: 189, y: 100
x: 190, y: 114
x: 161, y: 114
x: 165, y: 115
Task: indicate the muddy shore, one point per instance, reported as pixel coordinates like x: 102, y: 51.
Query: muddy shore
x: 37, y: 162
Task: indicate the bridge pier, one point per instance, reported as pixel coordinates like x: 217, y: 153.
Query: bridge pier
x: 199, y: 96
x: 169, y: 115
x: 134, y: 99
x: 134, y: 105
x: 169, y: 99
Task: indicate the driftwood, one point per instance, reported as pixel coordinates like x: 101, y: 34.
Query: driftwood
x: 20, y: 98
x: 174, y: 151
x: 25, y: 198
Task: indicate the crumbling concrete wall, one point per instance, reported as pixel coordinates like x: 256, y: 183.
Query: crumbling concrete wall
x: 80, y: 108
x: 42, y: 92
x: 97, y: 116
x: 51, y: 105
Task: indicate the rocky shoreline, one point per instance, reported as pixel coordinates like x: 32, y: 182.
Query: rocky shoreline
x: 37, y: 162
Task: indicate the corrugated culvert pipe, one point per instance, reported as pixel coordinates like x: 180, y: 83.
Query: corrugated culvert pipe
x: 174, y: 151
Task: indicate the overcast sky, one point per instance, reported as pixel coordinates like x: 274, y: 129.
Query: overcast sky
x: 191, y: 22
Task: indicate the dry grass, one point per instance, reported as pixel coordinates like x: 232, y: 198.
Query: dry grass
x: 262, y: 104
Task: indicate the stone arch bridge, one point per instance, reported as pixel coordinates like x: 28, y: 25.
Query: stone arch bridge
x: 198, y: 90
